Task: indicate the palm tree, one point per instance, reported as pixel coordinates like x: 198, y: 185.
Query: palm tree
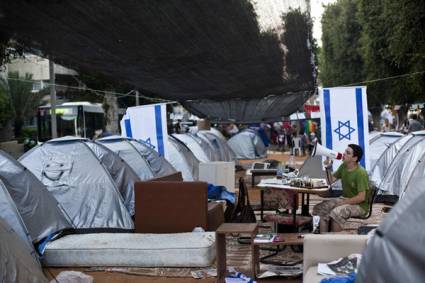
x: 24, y: 103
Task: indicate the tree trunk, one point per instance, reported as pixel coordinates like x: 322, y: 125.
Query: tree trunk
x: 18, y: 127
x: 111, y: 113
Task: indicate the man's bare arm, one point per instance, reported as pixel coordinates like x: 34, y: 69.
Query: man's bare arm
x: 359, y: 198
x: 330, y: 178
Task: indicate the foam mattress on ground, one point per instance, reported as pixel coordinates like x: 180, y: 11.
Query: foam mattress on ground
x: 141, y: 250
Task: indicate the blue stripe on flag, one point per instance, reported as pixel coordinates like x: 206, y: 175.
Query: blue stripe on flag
x: 360, y: 126
x: 159, y: 136
x: 326, y: 98
x: 128, y: 132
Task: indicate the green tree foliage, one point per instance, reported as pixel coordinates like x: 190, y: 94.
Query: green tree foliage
x: 24, y: 103
x: 393, y: 43
x: 300, y: 46
x: 5, y: 111
x: 367, y: 40
x: 340, y: 60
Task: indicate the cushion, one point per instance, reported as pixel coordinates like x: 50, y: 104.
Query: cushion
x: 135, y: 250
x: 170, y: 207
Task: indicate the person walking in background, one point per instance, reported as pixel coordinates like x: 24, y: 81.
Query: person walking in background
x: 313, y: 141
x: 305, y: 142
x: 414, y: 124
x: 386, y: 127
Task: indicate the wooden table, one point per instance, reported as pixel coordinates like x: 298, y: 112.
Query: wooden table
x: 289, y: 239
x: 220, y: 238
x: 305, y: 192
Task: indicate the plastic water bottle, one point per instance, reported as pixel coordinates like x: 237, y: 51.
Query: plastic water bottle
x: 279, y: 171
x: 316, y: 224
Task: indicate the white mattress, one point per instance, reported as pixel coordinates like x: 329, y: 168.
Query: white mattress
x: 133, y: 250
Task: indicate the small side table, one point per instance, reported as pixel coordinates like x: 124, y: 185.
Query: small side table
x: 289, y: 239
x: 220, y: 236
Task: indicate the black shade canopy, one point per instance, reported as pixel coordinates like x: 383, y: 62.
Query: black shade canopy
x: 175, y: 49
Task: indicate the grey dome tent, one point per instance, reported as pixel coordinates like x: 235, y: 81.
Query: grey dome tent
x: 217, y: 133
x: 123, y: 175
x: 183, y: 159
x: 10, y: 214
x: 16, y: 263
x: 213, y: 148
x: 396, y: 252
x: 247, y: 144
x: 377, y: 172
x: 40, y: 211
x: 76, y: 178
x: 312, y: 168
x: 379, y: 143
x: 146, y: 162
x: 408, y: 159
x: 220, y: 146
x: 200, y: 148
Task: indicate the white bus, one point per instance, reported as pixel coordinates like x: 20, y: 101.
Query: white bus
x: 73, y: 119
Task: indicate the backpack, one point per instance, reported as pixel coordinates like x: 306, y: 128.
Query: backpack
x: 243, y: 212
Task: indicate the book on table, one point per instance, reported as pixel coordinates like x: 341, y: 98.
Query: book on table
x: 264, y: 238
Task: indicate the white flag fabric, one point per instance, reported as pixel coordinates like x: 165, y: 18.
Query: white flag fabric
x: 147, y: 123
x: 344, y: 120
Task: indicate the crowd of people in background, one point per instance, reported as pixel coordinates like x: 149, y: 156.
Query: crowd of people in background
x: 389, y: 121
x: 281, y: 135
x: 301, y: 135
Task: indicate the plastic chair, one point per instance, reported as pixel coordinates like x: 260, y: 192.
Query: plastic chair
x: 296, y: 145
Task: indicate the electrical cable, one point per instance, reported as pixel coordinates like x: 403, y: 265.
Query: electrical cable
x: 98, y: 92
x: 383, y: 79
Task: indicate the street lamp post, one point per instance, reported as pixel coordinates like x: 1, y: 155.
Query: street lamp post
x: 53, y: 99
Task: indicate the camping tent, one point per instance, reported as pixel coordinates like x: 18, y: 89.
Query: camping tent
x: 217, y: 133
x: 312, y: 168
x: 378, y: 143
x: 10, y: 214
x: 40, y: 211
x: 396, y: 252
x: 247, y: 144
x: 200, y: 148
x: 146, y: 162
x: 124, y: 177
x: 180, y: 156
x: 378, y: 171
x: 76, y: 178
x: 16, y: 263
x: 223, y: 150
x: 407, y: 160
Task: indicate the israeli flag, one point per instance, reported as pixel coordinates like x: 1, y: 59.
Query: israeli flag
x: 344, y: 120
x: 147, y: 123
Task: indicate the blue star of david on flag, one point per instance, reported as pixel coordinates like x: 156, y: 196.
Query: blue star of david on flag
x: 148, y: 143
x: 344, y: 130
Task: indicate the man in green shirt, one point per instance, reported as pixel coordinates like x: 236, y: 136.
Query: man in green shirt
x: 355, y: 186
